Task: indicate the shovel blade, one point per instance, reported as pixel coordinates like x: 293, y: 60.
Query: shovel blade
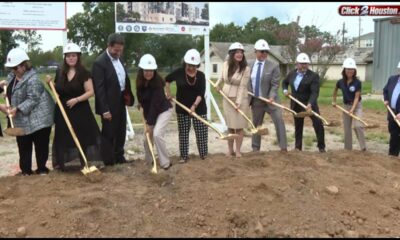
x: 332, y: 124
x: 303, y: 114
x: 92, y: 173
x: 15, y: 132
x: 229, y: 136
x: 371, y: 126
x: 154, y: 170
x: 260, y: 131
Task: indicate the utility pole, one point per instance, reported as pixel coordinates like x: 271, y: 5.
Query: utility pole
x: 343, y: 31
x: 359, y: 31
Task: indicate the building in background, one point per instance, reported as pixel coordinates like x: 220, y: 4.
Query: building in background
x: 364, y: 41
x: 386, y: 51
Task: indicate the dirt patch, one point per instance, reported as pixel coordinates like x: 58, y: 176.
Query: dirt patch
x: 266, y: 194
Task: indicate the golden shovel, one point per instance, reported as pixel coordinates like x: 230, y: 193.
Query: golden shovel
x: 295, y: 114
x: 221, y: 136
x: 326, y: 123
x: 15, y: 132
x: 150, y: 144
x: 393, y: 115
x: 366, y: 125
x: 92, y: 172
x: 254, y: 130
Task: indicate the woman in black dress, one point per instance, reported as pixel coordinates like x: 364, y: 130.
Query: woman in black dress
x: 74, y: 86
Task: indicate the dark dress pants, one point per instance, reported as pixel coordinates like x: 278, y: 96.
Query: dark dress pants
x: 40, y: 139
x: 317, y: 125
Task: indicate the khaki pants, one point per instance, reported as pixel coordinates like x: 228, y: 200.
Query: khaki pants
x: 357, y: 126
x: 158, y: 137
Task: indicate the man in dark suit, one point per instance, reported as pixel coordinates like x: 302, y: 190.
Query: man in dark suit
x: 112, y: 93
x: 304, y: 85
x: 391, y: 96
x: 264, y: 82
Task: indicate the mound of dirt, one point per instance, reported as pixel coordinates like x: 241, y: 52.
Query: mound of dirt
x: 266, y: 194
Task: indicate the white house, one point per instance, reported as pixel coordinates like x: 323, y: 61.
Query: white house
x: 362, y: 56
x: 364, y: 41
x: 219, y: 51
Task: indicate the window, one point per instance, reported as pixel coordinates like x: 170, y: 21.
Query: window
x: 215, y: 68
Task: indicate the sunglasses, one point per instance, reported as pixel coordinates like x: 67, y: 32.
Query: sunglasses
x: 15, y: 68
x: 263, y: 51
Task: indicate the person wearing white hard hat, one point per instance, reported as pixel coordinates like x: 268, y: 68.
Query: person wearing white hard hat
x: 351, y: 90
x: 265, y: 75
x: 190, y: 91
x: 391, y: 96
x: 235, y: 76
x: 112, y: 89
x: 32, y: 109
x: 304, y: 85
x: 74, y: 87
x: 157, y: 109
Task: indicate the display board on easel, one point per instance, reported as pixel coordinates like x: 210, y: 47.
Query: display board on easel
x: 170, y: 18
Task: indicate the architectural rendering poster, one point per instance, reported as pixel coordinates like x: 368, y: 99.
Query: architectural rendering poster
x: 162, y: 17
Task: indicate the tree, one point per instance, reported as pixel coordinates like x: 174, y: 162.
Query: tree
x: 289, y: 35
x: 324, y: 47
x: 7, y: 42
x: 121, y: 14
x: 29, y: 37
x: 92, y: 27
x: 226, y: 33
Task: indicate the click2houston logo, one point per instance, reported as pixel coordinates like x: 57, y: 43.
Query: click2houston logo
x: 369, y: 10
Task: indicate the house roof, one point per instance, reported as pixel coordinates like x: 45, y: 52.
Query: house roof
x: 221, y: 50
x: 367, y: 36
x: 360, y: 55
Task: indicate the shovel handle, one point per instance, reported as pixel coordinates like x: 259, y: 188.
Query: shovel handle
x: 149, y: 143
x: 8, y: 105
x: 197, y: 116
x: 273, y: 103
x: 234, y: 105
x: 305, y: 107
x: 393, y: 115
x: 351, y: 115
x: 71, y: 129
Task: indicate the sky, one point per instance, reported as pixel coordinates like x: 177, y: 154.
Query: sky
x: 324, y: 15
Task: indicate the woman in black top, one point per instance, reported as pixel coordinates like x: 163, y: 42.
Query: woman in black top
x: 156, y: 107
x: 351, y: 89
x: 74, y: 86
x: 190, y: 90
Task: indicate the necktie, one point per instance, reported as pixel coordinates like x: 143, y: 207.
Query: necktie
x: 258, y: 76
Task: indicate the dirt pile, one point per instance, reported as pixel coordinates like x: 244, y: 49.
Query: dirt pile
x: 267, y: 194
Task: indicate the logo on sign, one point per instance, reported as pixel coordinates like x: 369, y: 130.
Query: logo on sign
x: 136, y: 28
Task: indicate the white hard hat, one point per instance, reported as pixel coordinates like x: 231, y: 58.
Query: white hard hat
x: 236, y: 45
x: 398, y: 66
x: 192, y: 56
x: 71, y: 48
x: 15, y: 57
x: 148, y: 62
x: 349, y: 63
x: 302, y: 58
x: 261, y: 45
